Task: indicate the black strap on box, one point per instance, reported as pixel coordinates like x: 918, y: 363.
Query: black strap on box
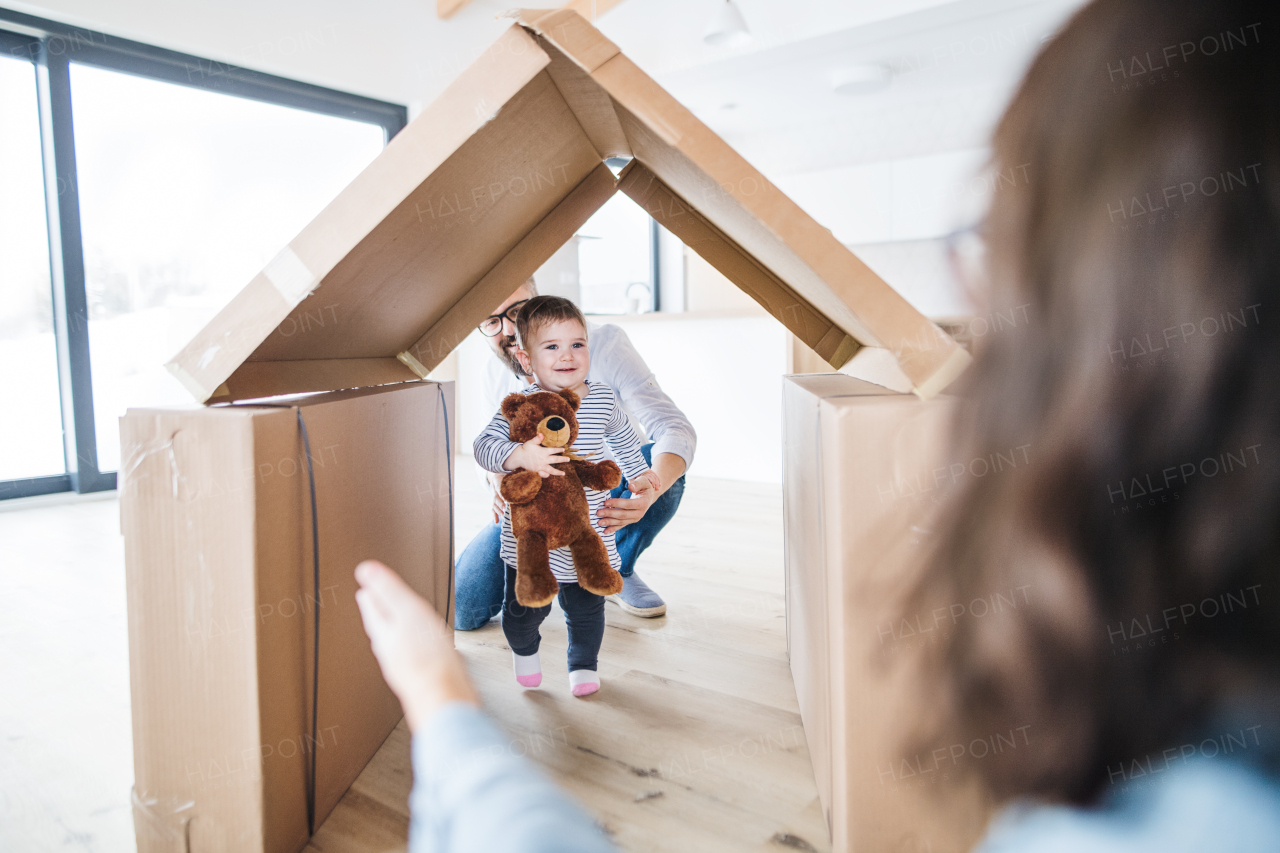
x: 448, y: 467
x: 315, y: 635
x: 315, y: 638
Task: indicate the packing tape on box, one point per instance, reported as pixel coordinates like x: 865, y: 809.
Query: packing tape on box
x: 195, y: 386
x: 164, y: 820
x: 132, y: 456
x: 290, y: 276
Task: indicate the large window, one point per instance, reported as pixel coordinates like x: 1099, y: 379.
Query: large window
x: 615, y: 259
x: 31, y: 423
x: 184, y: 196
x: 140, y: 189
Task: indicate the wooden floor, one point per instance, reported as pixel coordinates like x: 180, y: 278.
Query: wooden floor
x: 693, y: 742
x: 66, y: 759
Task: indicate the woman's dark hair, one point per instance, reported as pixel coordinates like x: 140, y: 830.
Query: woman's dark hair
x: 1144, y: 251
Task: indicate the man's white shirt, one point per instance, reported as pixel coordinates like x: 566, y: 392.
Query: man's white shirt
x: 615, y: 362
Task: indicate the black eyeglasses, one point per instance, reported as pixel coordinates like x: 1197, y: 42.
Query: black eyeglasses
x: 493, y: 325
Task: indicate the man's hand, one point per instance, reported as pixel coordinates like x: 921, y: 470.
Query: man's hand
x: 532, y: 456
x: 619, y: 512
x: 499, y: 505
x: 644, y: 482
x: 413, y: 645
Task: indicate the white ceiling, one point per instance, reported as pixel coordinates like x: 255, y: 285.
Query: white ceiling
x: 954, y: 67
x: 955, y: 63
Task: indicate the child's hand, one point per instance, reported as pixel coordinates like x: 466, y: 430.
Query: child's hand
x: 644, y: 482
x: 532, y: 456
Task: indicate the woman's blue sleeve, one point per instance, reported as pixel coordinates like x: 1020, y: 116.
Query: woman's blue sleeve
x: 473, y: 792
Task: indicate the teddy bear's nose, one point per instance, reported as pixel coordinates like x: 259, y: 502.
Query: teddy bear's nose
x: 555, y: 424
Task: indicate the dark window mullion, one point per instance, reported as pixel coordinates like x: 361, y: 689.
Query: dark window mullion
x: 33, y: 486
x: 655, y: 266
x: 17, y: 46
x: 66, y: 262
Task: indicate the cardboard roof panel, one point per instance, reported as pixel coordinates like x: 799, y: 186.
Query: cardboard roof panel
x: 698, y: 233
x: 454, y: 227
x: 487, y: 183
x: 542, y: 241
x: 358, y: 266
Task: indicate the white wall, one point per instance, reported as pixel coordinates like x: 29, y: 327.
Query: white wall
x: 726, y: 375
x: 473, y: 410
x: 916, y: 198
x: 921, y: 272
x: 895, y: 215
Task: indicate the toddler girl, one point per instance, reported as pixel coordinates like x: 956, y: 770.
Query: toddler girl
x: 552, y: 334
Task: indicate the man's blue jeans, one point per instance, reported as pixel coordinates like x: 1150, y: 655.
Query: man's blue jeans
x: 480, y: 572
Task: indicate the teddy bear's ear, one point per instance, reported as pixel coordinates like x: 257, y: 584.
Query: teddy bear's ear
x: 512, y: 403
x: 571, y: 398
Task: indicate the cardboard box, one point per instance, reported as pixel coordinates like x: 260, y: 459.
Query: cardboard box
x: 216, y: 513
x: 865, y: 472
x: 487, y: 182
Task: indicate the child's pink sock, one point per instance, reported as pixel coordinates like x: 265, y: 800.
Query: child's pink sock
x: 584, y: 682
x: 528, y: 669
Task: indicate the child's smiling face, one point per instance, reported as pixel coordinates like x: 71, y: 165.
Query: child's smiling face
x: 558, y: 356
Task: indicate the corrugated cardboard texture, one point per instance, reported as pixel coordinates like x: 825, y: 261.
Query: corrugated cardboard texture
x: 486, y: 183
x: 216, y: 513
x: 853, y: 549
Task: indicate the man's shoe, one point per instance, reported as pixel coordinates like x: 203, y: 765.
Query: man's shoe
x: 637, y: 599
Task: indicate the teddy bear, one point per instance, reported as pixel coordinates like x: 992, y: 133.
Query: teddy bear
x: 552, y: 512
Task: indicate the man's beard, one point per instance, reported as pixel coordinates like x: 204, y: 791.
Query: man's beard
x: 508, y: 354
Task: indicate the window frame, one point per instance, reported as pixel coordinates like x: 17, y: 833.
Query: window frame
x: 52, y: 47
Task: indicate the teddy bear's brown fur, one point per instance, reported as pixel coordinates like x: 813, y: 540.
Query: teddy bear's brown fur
x: 552, y: 512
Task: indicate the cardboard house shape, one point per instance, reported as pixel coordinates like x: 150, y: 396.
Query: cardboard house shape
x: 460, y: 208
x: 487, y: 183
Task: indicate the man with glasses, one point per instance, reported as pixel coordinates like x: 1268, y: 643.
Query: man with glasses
x: 634, y: 519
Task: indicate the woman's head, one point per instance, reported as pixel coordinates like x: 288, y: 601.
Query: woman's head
x: 1144, y: 251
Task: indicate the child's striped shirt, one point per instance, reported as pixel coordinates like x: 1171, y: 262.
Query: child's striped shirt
x: 600, y: 420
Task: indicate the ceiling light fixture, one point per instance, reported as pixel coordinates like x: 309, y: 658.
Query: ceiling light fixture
x: 727, y: 28
x: 861, y: 79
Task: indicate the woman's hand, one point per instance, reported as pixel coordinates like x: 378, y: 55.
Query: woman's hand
x: 413, y: 645
x: 532, y: 456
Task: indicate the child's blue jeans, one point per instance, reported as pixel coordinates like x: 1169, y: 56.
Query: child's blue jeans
x: 583, y: 611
